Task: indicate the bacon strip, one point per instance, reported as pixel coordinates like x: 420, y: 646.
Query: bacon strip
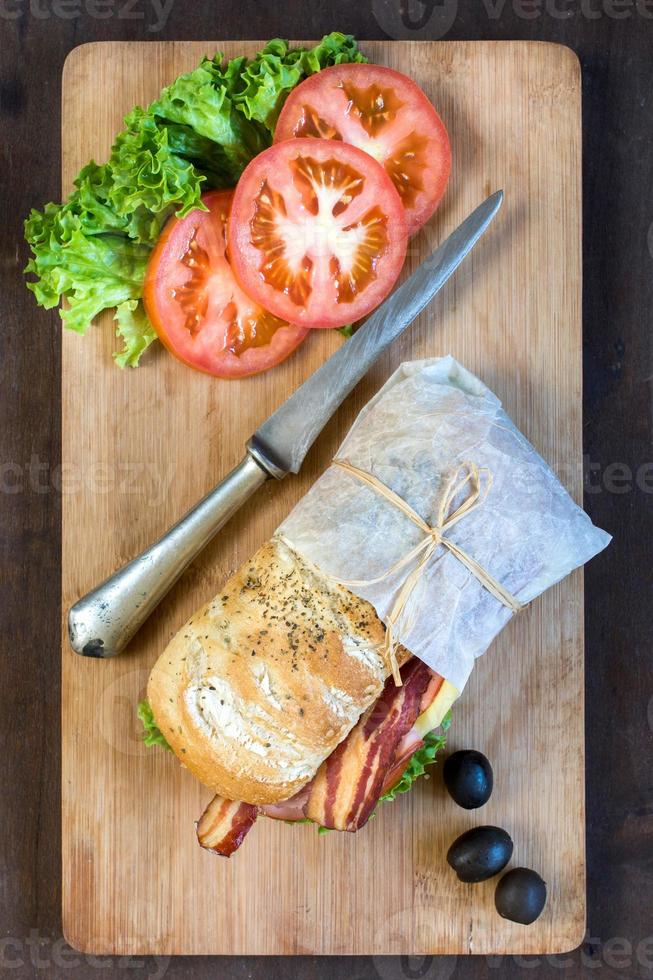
x: 412, y: 740
x: 349, y: 783
x: 224, y: 824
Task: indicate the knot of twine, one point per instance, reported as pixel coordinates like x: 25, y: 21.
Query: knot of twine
x: 467, y: 474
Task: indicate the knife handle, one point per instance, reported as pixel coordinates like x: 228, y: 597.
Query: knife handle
x: 104, y: 621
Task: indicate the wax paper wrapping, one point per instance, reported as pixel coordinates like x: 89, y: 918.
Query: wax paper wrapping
x: 528, y: 534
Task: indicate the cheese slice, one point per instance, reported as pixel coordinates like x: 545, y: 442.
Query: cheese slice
x: 432, y: 717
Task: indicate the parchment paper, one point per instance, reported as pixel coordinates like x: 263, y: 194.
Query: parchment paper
x: 429, y: 417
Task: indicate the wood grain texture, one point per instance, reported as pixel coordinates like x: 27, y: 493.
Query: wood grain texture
x: 139, y: 447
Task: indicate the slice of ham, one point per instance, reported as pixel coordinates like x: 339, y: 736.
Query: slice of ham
x: 224, y: 825
x: 430, y: 693
x: 292, y: 809
x: 348, y: 784
x: 409, y: 744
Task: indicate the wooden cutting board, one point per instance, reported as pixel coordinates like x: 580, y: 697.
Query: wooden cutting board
x: 139, y: 447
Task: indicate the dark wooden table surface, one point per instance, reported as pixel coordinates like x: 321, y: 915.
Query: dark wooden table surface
x: 614, y: 40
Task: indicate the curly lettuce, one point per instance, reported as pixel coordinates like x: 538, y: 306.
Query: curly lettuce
x: 93, y: 272
x: 92, y: 250
x: 149, y: 179
x: 135, y: 330
x: 262, y: 86
x: 203, y: 102
x: 152, y: 734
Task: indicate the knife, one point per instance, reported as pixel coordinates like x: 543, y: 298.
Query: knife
x: 103, y: 622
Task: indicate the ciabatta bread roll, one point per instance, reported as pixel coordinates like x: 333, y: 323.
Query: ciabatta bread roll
x: 262, y: 684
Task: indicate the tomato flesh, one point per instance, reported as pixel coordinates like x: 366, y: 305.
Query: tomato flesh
x: 197, y: 307
x: 317, y: 232
x: 387, y: 115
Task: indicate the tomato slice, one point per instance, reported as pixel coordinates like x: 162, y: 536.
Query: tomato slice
x: 385, y: 113
x: 317, y: 232
x: 197, y: 307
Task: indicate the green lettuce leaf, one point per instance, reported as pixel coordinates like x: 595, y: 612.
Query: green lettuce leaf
x: 434, y: 742
x: 135, y: 331
x: 93, y: 272
x: 91, y: 201
x: 334, y: 49
x: 152, y: 734
x: 207, y: 157
x: 261, y: 88
x: 202, y: 100
x: 149, y: 180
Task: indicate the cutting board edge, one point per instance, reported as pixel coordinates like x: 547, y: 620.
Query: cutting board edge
x: 565, y: 942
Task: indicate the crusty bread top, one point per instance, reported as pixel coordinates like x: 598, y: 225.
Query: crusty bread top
x: 262, y: 684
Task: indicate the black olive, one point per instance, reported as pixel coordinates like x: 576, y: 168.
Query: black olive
x: 468, y: 777
x: 480, y: 853
x: 520, y: 896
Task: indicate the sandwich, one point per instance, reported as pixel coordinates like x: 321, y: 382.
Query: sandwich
x: 294, y: 694
x: 278, y: 697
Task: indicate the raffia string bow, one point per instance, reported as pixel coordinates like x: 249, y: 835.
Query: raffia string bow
x: 466, y: 474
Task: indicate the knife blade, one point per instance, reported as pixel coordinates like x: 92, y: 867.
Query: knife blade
x: 280, y: 445
x: 102, y: 623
